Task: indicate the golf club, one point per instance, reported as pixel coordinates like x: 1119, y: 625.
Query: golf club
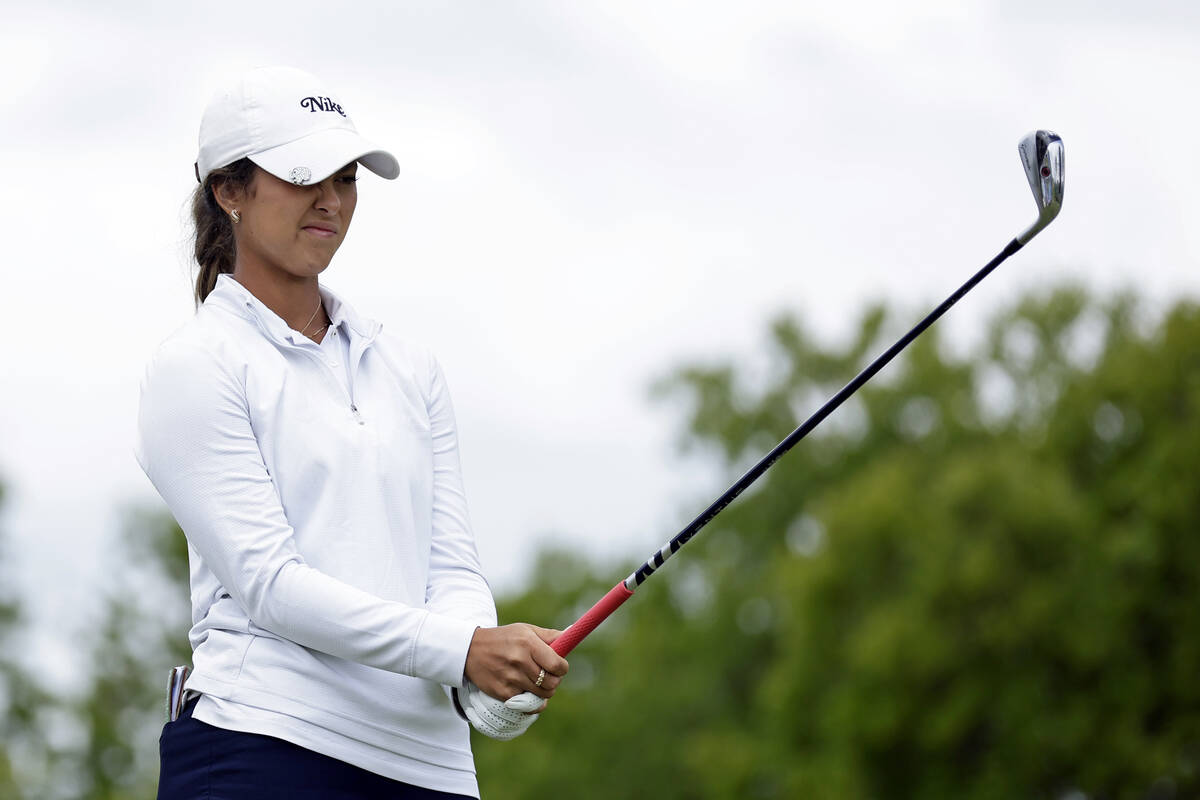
x: 1042, y: 156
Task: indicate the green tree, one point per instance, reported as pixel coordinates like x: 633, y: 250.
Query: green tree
x: 25, y: 704
x: 980, y: 579
x: 142, y: 634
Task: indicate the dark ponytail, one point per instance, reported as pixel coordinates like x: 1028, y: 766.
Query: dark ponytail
x: 216, y: 250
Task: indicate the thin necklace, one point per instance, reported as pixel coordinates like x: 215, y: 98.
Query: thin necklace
x: 310, y: 319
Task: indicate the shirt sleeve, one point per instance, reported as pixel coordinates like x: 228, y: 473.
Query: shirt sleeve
x: 457, y: 587
x: 198, y: 448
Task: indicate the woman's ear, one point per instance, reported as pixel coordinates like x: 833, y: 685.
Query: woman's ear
x: 227, y: 196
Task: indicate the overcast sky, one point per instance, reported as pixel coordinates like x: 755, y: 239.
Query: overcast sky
x: 592, y: 193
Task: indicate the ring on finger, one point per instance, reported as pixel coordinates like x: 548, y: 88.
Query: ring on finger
x: 541, y: 677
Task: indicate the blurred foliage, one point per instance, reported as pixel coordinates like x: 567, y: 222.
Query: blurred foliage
x: 141, y: 635
x: 25, y: 705
x: 99, y: 740
x: 978, y: 579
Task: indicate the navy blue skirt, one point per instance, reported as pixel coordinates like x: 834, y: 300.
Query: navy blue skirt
x: 202, y: 762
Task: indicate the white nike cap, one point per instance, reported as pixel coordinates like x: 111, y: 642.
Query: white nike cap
x: 287, y: 122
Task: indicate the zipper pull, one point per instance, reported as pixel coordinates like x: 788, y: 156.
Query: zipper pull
x: 357, y: 416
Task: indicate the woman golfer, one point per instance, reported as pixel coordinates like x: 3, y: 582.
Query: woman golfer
x: 342, y: 629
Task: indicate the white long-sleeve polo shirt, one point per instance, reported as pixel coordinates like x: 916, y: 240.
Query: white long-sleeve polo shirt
x: 335, y: 583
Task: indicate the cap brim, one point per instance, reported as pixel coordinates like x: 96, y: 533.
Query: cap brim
x: 323, y: 153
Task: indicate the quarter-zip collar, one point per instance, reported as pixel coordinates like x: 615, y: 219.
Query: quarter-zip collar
x: 232, y: 296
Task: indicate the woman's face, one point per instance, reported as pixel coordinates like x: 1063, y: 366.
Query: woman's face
x: 294, y: 230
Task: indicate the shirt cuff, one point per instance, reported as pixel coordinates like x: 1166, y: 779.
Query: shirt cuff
x: 441, y: 649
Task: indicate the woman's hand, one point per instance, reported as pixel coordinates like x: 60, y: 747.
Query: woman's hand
x: 506, y: 661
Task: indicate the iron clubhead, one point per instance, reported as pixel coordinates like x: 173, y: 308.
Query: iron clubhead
x: 1042, y: 156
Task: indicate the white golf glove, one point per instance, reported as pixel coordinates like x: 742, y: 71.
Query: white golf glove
x: 496, y: 718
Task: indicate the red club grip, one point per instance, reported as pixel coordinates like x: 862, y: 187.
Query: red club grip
x: 588, y: 622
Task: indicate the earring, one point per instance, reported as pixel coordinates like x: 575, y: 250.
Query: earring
x: 236, y: 216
